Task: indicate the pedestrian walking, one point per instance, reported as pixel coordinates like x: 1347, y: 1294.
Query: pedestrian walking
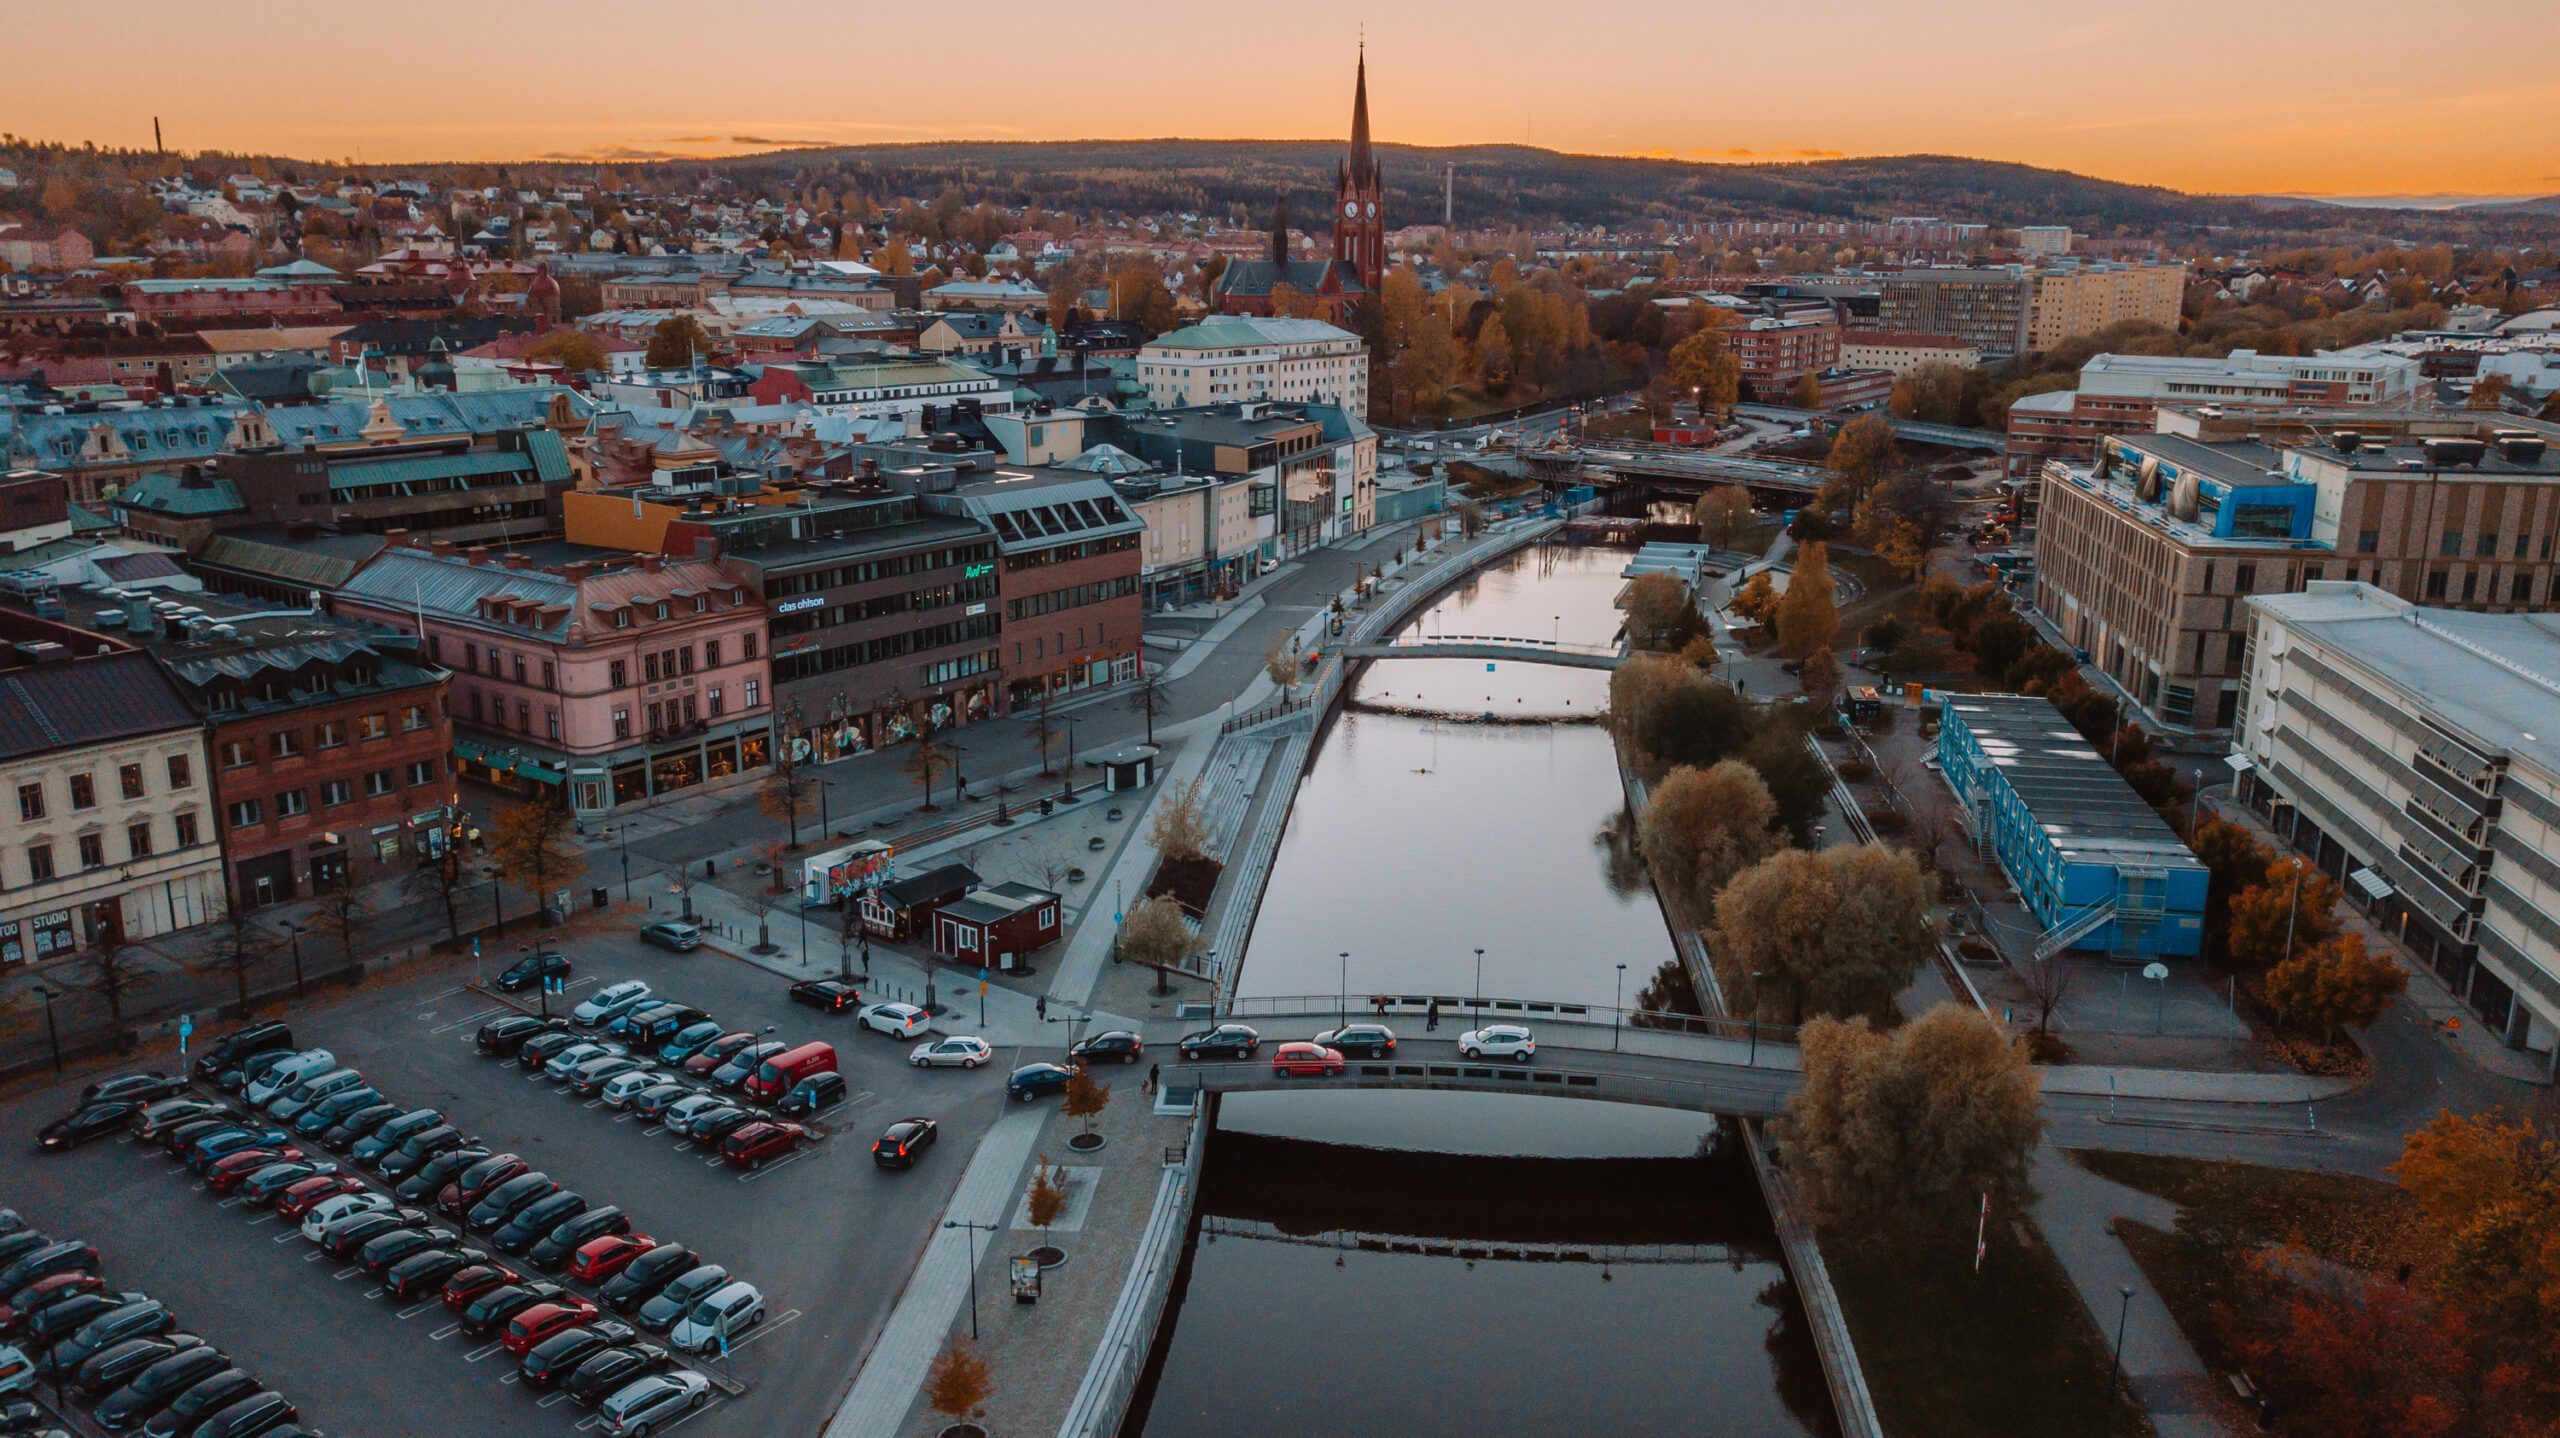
x: 1431, y: 1017
x: 1040, y: 1006
x: 1150, y: 1085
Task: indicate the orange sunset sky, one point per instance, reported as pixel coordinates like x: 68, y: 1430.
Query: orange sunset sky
x: 2337, y: 97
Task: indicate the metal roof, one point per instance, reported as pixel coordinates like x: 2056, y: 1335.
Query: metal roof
x: 80, y: 702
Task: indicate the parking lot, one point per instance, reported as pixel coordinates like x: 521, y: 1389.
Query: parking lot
x: 827, y: 1236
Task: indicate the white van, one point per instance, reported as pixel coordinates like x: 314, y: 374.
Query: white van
x: 310, y: 1063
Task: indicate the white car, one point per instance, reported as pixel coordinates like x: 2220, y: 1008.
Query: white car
x: 310, y: 1063
x: 565, y: 1062
x: 898, y: 1021
x: 733, y: 1307
x: 619, y: 1090
x: 609, y: 1003
x: 964, y: 1050
x: 1501, y: 1041
x: 680, y: 1115
x: 337, y: 1206
x: 645, y: 1405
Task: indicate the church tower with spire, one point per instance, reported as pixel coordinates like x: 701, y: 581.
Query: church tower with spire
x: 1359, y: 224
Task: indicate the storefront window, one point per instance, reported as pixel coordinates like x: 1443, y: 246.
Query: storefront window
x: 630, y: 782
x: 754, y: 751
x: 676, y: 771
x: 723, y: 758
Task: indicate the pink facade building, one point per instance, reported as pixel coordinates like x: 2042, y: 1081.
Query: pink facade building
x: 614, y: 682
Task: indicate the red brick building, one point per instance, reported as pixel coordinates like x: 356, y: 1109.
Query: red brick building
x: 1068, y: 560
x: 1776, y: 352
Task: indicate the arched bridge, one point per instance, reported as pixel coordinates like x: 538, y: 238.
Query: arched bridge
x: 1488, y: 646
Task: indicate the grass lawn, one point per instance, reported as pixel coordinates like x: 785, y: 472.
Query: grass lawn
x: 2230, y: 1209
x: 2007, y: 1353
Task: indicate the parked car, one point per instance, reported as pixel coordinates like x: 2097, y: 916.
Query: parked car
x: 790, y: 1064
x: 602, y: 1257
x: 44, y: 1260
x: 399, y: 1245
x: 532, y: 969
x: 653, y: 1402
x: 718, y: 1122
x: 145, y: 1087
x: 436, y: 1172
x: 503, y: 1202
x: 659, y: 1025
x: 527, y: 1225
x: 642, y: 1277
x: 488, y: 1313
x: 284, y: 1073
x: 267, y: 1184
x: 250, y: 1070
x: 652, y: 1102
x: 152, y: 1389
x: 1368, y: 1040
x: 608, y: 1372
x: 673, y: 934
x: 206, y: 1397
x: 958, y: 1051
x: 898, y: 1021
x: 25, y: 1303
x: 898, y: 1146
x: 1034, y: 1079
x: 1304, y: 1060
x: 348, y: 1236
x: 622, y: 1088
x: 731, y: 1309
x: 137, y: 1318
x: 811, y: 1096
x: 754, y: 1144
x: 663, y: 1309
x: 1501, y: 1041
x: 1223, y: 1041
x: 158, y: 1118
x: 474, y: 1279
x: 538, y: 1051
x: 174, y: 1141
x: 1118, y: 1046
x: 316, y: 1222
x: 236, y: 1047
x: 427, y: 1270
x: 549, y: 1363
x: 392, y: 1133
x: 500, y: 1038
x: 359, y: 1124
x: 115, y: 1365
x: 298, y: 1199
x: 474, y: 1183
x: 324, y: 1115
x: 564, y: 1239
x: 564, y: 1062
x: 588, y: 1079
x: 679, y: 1116
x: 262, y: 1412
x: 417, y: 1148
x: 610, y: 1002
x: 532, y: 1325
x: 685, y: 1042
x: 310, y: 1091
x: 632, y: 1018
x: 88, y: 1122
x: 233, y: 1169
x: 55, y: 1322
x: 827, y: 996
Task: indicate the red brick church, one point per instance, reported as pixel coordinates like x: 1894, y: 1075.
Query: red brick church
x: 1359, y: 260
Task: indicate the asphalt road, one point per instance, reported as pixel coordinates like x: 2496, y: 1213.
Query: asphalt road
x: 827, y: 1236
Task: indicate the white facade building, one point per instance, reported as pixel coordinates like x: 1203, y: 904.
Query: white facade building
x: 1234, y: 357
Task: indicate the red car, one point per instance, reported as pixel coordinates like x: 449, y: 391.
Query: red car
x: 488, y: 1173
x: 544, y: 1319
x: 753, y: 1143
x: 717, y: 1052
x: 471, y: 1282
x: 305, y: 1195
x: 601, y: 1258
x: 1304, y: 1060
x: 231, y: 1168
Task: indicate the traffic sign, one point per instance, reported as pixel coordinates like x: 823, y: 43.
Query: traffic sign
x: 186, y: 1030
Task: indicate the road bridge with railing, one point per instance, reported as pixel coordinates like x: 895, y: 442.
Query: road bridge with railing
x: 1489, y: 647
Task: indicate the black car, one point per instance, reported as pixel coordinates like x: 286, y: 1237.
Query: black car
x: 502, y: 1202
x: 175, y: 1138
x: 260, y: 1412
x: 417, y: 1148
x: 260, y: 1189
x: 89, y: 1121
x: 733, y: 1074
x: 140, y: 1318
x: 43, y: 1260
x: 1360, y: 1040
x: 552, y: 1360
x: 378, y: 1254
x: 343, y: 1238
x: 251, y: 1069
x: 55, y: 1322
x: 1224, y: 1041
x: 208, y: 1396
x: 141, y: 1087
x: 677, y: 1298
x: 18, y: 1242
x: 425, y: 1273
x: 534, y: 1052
x: 811, y: 1096
x: 832, y: 996
x: 490, y: 1311
x: 642, y: 1277
x: 714, y: 1124
x: 435, y: 1173
x: 153, y: 1387
x: 524, y: 973
x: 604, y: 1374
x: 1032, y: 1080
x: 557, y: 1247
x: 232, y: 1050
x: 393, y: 1132
x: 347, y: 1132
x: 1112, y: 1046
x: 116, y: 1364
x: 500, y: 1038
x: 324, y: 1115
x: 908, y: 1137
x: 535, y: 1219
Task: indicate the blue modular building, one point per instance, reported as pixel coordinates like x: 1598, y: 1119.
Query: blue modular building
x: 2090, y: 859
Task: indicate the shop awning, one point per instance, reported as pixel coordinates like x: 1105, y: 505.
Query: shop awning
x: 2373, y: 885
x: 506, y: 759
x: 2240, y: 763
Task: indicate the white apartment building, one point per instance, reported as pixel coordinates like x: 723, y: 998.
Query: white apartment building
x: 2401, y: 748
x: 2044, y: 241
x: 103, y: 773
x: 1237, y: 357
x: 2246, y: 377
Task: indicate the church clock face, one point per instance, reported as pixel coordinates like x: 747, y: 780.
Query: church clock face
x: 1373, y: 209
x: 1350, y: 209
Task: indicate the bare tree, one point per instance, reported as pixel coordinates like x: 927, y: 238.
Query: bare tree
x: 441, y: 879
x: 341, y: 917
x: 2047, y: 982
x: 925, y: 759
x: 788, y: 782
x: 1933, y: 826
x: 111, y: 970
x: 238, y: 946
x: 1044, y: 732
x: 534, y: 849
x: 1150, y: 698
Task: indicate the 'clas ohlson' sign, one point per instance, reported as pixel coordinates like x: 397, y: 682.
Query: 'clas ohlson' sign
x: 794, y: 606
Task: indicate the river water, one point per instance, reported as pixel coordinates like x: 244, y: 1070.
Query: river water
x: 1464, y: 1264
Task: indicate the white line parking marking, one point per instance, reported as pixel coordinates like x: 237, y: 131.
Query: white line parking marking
x: 267, y: 1217
x: 314, y: 1256
x: 761, y: 1330
x: 441, y: 1334
x: 413, y: 1310
x: 350, y: 1271
x: 288, y: 1233
x: 375, y: 1292
x: 753, y: 1174
x: 512, y: 1377
x: 483, y: 1351
x: 551, y: 1400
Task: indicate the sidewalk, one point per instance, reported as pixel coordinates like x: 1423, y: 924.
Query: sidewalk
x: 2077, y: 1212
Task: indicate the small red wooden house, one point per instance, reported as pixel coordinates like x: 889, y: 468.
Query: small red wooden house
x: 996, y: 925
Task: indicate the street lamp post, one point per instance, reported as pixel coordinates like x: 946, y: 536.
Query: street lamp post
x: 826, y: 822
x: 1755, y: 1021
x: 1479, y: 988
x: 1345, y: 1016
x: 1618, y: 1011
x: 974, y: 1230
x: 2116, y: 1365
x: 52, y: 1034
x: 297, y: 956
x: 622, y: 839
x: 1069, y: 796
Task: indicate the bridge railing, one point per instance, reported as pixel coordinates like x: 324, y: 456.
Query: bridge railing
x: 1460, y: 1009
x: 1729, y: 1089
x: 1507, y: 641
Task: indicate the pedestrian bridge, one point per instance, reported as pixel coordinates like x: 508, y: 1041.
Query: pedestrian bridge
x: 1489, y: 647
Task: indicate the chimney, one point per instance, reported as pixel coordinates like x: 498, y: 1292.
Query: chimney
x: 477, y: 554
x: 140, y: 619
x: 514, y: 560
x: 649, y: 564
x: 395, y: 537
x: 440, y: 547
